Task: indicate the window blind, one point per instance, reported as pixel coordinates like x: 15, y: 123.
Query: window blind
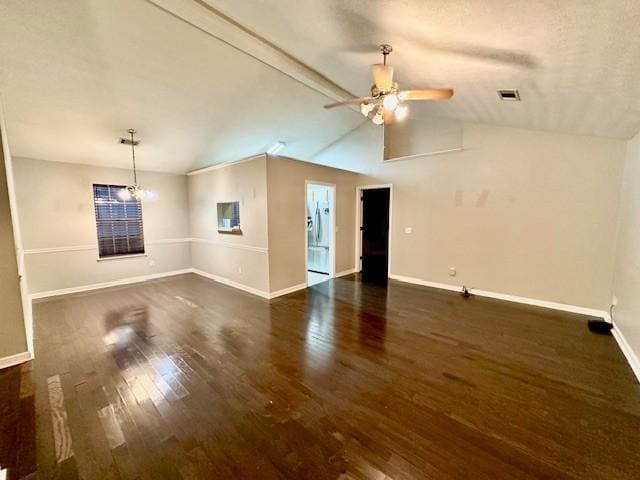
x: 118, y: 222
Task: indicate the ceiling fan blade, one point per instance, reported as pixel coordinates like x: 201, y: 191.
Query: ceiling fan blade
x: 382, y: 76
x: 426, y: 94
x: 349, y: 102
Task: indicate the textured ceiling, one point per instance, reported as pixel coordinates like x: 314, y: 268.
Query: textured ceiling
x: 575, y: 62
x: 75, y: 75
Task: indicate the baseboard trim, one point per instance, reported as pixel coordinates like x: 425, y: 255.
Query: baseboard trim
x: 16, y: 359
x: 630, y: 355
x: 114, y: 283
x: 154, y: 276
x: 345, y: 272
x: 286, y: 291
x: 503, y: 296
x: 231, y: 283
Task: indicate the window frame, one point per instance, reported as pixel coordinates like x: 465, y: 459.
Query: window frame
x: 113, y: 189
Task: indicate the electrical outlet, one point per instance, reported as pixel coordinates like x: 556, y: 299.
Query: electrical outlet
x: 408, y: 230
x: 614, y: 300
x: 240, y: 270
x: 452, y: 271
x: 152, y: 262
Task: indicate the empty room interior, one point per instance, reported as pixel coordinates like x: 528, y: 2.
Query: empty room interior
x: 304, y: 239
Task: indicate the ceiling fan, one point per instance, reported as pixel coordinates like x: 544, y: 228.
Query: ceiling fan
x: 387, y: 102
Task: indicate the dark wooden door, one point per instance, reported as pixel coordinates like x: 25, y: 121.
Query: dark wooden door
x: 375, y: 235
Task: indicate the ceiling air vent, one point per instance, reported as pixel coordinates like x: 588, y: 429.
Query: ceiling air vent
x: 509, y: 95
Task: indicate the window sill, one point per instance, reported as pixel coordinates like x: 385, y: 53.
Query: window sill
x: 121, y: 257
x: 232, y: 231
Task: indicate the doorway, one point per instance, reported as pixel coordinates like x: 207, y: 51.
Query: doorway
x: 320, y: 234
x: 375, y: 219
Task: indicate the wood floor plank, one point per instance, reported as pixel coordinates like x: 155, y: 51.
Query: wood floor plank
x: 343, y: 380
x: 61, y: 433
x: 112, y: 430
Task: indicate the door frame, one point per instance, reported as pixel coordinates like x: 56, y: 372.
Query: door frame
x: 332, y: 238
x: 358, y: 232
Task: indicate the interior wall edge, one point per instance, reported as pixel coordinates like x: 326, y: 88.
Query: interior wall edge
x: 345, y: 272
x: 16, y: 359
x: 114, y: 283
x: 231, y: 283
x: 630, y: 355
x: 288, y: 290
x: 7, y: 184
x: 507, y: 297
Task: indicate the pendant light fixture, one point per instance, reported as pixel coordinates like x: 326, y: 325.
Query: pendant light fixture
x: 134, y: 190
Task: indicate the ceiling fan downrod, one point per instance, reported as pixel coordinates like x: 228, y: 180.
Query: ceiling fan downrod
x: 386, y: 49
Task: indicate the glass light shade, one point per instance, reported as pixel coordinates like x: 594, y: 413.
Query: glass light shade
x: 132, y: 191
x: 390, y: 102
x: 124, y: 194
x: 378, y: 118
x: 138, y: 192
x: 401, y: 112
x: 366, y: 108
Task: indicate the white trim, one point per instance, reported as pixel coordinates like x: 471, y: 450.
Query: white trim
x: 218, y: 166
x: 168, y: 241
x: 114, y: 283
x: 333, y: 189
x: 78, y: 248
x: 27, y: 313
x: 16, y: 359
x: 121, y: 257
x: 345, y: 272
x: 630, y: 355
x: 70, y: 248
x: 231, y: 283
x: 238, y: 246
x: 429, y: 154
x: 503, y: 296
x: 358, y: 232
x: 286, y: 291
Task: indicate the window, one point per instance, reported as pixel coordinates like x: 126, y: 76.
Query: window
x: 118, y: 222
x: 229, y: 217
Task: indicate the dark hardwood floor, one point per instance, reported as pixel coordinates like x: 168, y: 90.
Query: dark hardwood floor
x: 186, y: 378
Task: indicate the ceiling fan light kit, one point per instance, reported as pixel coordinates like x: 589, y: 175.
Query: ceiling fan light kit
x: 387, y: 103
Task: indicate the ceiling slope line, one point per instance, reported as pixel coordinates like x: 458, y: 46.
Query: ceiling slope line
x: 210, y: 21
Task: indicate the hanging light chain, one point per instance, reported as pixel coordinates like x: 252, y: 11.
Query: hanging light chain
x: 133, y: 154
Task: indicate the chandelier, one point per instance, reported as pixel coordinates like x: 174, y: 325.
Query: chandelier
x: 134, y: 190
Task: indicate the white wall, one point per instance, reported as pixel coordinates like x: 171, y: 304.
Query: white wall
x: 626, y: 284
x: 57, y: 222
x: 517, y: 212
x: 287, y: 218
x: 242, y: 259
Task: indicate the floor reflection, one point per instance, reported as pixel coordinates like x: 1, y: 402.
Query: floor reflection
x: 125, y: 327
x: 320, y: 334
x: 372, y: 330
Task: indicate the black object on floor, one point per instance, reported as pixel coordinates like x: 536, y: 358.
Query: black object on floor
x: 600, y: 326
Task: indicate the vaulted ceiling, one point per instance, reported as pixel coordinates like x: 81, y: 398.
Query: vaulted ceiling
x: 202, y: 88
x: 75, y: 75
x: 575, y: 62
